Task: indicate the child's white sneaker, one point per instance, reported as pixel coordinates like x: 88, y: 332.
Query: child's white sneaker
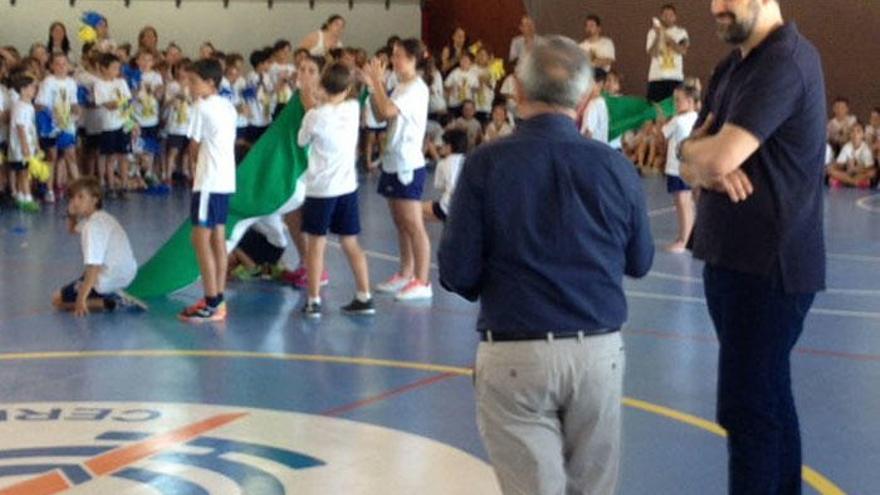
x: 393, y: 285
x: 415, y: 291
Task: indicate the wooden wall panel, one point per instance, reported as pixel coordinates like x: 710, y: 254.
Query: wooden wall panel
x: 495, y: 22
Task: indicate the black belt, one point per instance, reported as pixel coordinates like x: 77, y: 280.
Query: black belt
x: 489, y: 336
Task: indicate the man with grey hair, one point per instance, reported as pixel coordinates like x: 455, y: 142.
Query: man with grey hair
x: 543, y: 227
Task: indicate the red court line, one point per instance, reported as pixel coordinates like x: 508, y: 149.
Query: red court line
x: 338, y: 411
x: 117, y: 459
x: 799, y: 350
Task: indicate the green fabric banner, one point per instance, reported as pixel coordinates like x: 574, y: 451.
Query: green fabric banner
x: 266, y: 181
x: 627, y: 113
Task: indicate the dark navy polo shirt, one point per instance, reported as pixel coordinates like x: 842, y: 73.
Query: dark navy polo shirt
x: 777, y: 93
x: 542, y: 228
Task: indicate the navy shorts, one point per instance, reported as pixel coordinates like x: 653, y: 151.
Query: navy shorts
x: 91, y: 141
x: 177, y: 142
x: 254, y: 133
x: 47, y: 143
x: 375, y: 130
x: 17, y: 166
x: 150, y: 140
x: 339, y: 215
x: 259, y: 249
x: 676, y: 185
x: 116, y: 142
x: 70, y: 292
x: 438, y: 211
x: 65, y: 141
x: 391, y: 187
x: 241, y: 133
x: 209, y: 209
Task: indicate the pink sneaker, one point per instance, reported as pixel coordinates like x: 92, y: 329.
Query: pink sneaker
x: 303, y: 282
x: 393, y: 285
x: 295, y: 276
x: 415, y: 291
x: 834, y: 183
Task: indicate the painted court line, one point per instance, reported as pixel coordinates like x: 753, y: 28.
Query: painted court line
x: 820, y: 483
x: 338, y: 411
x: 117, y: 459
x: 699, y: 281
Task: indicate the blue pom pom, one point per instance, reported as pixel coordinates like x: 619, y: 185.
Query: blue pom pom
x: 92, y: 18
x: 83, y: 96
x: 132, y: 77
x: 249, y: 93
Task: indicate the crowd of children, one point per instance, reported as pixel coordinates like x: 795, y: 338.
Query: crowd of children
x: 152, y: 119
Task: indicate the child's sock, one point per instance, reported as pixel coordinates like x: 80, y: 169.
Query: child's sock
x: 363, y: 296
x: 220, y: 298
x: 315, y: 300
x: 212, y: 302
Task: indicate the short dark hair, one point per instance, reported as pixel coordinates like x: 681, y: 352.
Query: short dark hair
x: 90, y: 185
x: 209, y: 69
x: 600, y: 75
x: 107, y: 59
x: 668, y: 6
x: 20, y: 80
x: 299, y: 51
x: 841, y: 99
x: 337, y: 78
x: 319, y: 61
x: 690, y: 91
x: 233, y: 58
x: 594, y: 18
x: 457, y: 139
x: 280, y: 45
x: 258, y: 57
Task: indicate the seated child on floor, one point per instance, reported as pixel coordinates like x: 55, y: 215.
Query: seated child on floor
x: 455, y: 144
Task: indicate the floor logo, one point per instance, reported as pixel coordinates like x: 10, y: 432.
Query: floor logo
x: 183, y: 449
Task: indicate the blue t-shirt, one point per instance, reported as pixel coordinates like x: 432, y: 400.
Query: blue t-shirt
x: 777, y: 93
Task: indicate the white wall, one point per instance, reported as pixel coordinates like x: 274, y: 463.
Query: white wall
x: 244, y: 26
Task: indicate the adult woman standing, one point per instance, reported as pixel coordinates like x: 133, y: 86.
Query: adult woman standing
x: 148, y: 40
x: 403, y: 165
x: 451, y: 54
x: 58, y: 41
x: 329, y: 36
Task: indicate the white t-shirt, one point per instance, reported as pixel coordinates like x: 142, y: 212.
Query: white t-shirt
x: 445, y: 178
x: 105, y: 244
x: 406, y: 134
x: 596, y: 120
x: 508, y: 89
x: 278, y: 73
x: 107, y: 92
x: 5, y: 105
x: 838, y: 131
x: 462, y: 85
x: 59, y: 96
x: 438, y: 94
x: 493, y: 133
x: 178, y: 109
x: 518, y: 47
x: 146, y: 105
x: 829, y: 154
x: 273, y: 228
x: 23, y: 115
x: 669, y: 65
x: 331, y: 132
x: 263, y: 104
x: 232, y: 92
x: 862, y: 155
x: 213, y: 127
x: 91, y: 117
x: 870, y: 134
x: 675, y: 131
x: 601, y: 48
x: 485, y: 94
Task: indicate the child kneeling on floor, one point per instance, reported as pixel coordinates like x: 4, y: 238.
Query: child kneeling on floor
x: 331, y: 131
x: 109, y: 262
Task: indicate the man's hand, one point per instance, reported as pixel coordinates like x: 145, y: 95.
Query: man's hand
x: 736, y: 185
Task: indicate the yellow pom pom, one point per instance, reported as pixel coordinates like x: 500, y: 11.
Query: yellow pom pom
x: 87, y: 34
x: 476, y: 47
x: 39, y: 168
x: 496, y: 69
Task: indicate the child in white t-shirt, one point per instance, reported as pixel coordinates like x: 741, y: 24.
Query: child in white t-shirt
x: 500, y: 125
x: 5, y: 105
x: 840, y: 124
x: 23, y: 140
x: 232, y: 88
x: 212, y: 132
x: 855, y: 166
x: 872, y: 132
x: 147, y: 96
x: 484, y: 96
x: 112, y: 96
x: 58, y: 96
x: 675, y: 131
x: 468, y: 122
x: 461, y: 84
x: 178, y: 115
x: 453, y: 151
x: 330, y: 130
x: 110, y: 265
x: 596, y: 121
x: 260, y: 96
x: 86, y: 77
x: 282, y: 73
x: 508, y: 91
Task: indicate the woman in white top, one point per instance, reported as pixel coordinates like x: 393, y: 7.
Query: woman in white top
x: 329, y: 36
x: 403, y: 164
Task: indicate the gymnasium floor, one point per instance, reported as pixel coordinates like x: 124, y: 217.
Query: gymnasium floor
x: 269, y: 403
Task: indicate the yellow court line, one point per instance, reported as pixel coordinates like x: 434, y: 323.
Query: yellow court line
x: 813, y: 478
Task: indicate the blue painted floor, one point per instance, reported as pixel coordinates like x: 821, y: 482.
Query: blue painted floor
x: 670, y: 345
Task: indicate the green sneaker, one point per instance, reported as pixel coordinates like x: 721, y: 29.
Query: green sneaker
x: 29, y: 206
x: 244, y: 274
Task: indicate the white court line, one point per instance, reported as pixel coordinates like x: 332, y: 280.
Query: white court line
x: 700, y: 300
x: 699, y: 281
x: 660, y: 211
x: 864, y: 203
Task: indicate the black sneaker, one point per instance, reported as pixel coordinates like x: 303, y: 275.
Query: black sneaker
x: 312, y: 310
x: 357, y: 307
